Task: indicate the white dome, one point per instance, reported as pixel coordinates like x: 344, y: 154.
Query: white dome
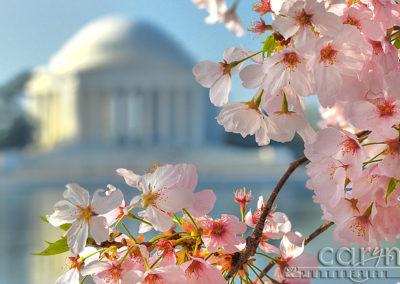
x: 112, y: 40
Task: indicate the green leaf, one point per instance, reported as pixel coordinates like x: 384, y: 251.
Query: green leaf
x: 391, y: 187
x: 396, y: 43
x: 44, y: 219
x: 269, y: 45
x: 64, y: 227
x: 57, y: 247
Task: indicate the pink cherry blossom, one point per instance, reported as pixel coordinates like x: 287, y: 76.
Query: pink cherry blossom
x: 171, y: 274
x: 344, y: 54
x: 221, y: 233
x: 377, y: 115
x: 287, y: 67
x: 362, y: 17
x: 198, y: 271
x: 302, y: 17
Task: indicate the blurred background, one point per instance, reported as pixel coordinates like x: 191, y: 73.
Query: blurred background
x: 91, y: 86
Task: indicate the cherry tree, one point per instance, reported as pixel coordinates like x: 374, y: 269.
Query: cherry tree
x: 344, y: 53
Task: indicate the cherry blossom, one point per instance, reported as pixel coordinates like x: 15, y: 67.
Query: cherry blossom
x: 245, y: 118
x: 221, y: 233
x: 198, y: 271
x: 217, y: 76
x: 304, y: 16
x: 75, y: 264
x: 77, y: 210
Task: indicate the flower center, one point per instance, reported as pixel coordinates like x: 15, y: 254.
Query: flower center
x: 263, y: 7
x: 304, y: 19
x: 227, y: 67
x: 385, y: 108
x: 152, y: 279
x: 352, y: 21
x: 291, y: 59
x: 86, y: 213
x: 376, y: 46
x: 328, y: 54
x: 350, y: 146
x: 149, y: 198
x: 393, y: 147
x: 195, y: 267
x: 359, y: 226
x: 72, y: 263
x: 113, y: 274
x: 218, y: 228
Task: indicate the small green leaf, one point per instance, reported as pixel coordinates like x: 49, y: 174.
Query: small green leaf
x: 57, y: 247
x: 64, y: 227
x: 396, y: 43
x: 391, y: 187
x: 269, y: 45
x: 44, y: 219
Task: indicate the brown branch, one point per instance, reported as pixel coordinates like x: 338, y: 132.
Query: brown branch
x: 253, y: 240
x: 308, y: 239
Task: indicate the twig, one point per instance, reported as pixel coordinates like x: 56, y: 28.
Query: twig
x: 253, y: 241
x: 308, y: 239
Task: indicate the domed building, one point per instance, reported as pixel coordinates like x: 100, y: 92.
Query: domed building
x: 119, y: 82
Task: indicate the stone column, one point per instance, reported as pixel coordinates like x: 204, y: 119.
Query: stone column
x: 164, y: 117
x: 180, y: 113
x: 147, y: 118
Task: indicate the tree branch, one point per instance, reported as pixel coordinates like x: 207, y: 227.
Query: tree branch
x: 253, y: 240
x: 308, y: 239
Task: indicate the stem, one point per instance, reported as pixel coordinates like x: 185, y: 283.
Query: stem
x: 83, y: 279
x: 158, y: 259
x: 267, y: 256
x: 255, y: 273
x: 119, y: 221
x: 234, y: 63
x: 196, y: 246
x: 373, y: 158
x: 82, y: 259
x: 191, y: 219
x: 373, y: 143
x: 141, y: 220
x: 182, y: 239
x: 253, y: 241
x: 129, y: 234
x: 308, y: 239
x: 124, y: 257
x: 165, y: 237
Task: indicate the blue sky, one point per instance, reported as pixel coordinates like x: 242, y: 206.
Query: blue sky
x: 31, y: 31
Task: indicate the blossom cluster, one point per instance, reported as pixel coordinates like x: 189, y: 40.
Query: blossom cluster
x: 193, y: 248
x: 344, y: 53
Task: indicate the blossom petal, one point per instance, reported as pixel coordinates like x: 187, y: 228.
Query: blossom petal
x: 77, y: 236
x: 77, y: 195
x: 219, y: 91
x: 104, y: 204
x: 203, y: 203
x: 64, y: 212
x: 69, y: 277
x: 292, y: 245
x: 207, y: 72
x: 99, y: 229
